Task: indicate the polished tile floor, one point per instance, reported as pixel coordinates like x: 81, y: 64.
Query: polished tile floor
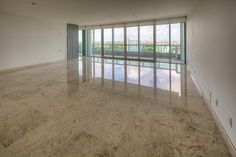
x: 103, y: 107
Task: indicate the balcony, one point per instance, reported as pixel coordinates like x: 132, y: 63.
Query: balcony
x: 146, y: 51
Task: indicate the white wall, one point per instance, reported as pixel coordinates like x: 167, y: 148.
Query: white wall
x: 211, y: 53
x: 27, y: 41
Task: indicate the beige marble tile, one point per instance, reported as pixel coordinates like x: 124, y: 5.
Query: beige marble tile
x: 16, y: 120
x: 4, y: 152
x: 77, y: 108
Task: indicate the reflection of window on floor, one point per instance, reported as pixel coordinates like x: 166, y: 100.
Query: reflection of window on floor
x: 162, y: 76
x: 147, y: 76
x: 132, y: 74
x: 119, y: 73
x: 80, y: 68
x: 98, y: 70
x: 108, y: 71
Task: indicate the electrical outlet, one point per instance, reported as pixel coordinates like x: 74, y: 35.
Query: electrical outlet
x: 217, y: 102
x: 230, y: 122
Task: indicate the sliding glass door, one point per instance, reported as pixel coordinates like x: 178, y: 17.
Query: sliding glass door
x: 108, y: 42
x: 119, y: 41
x: 97, y: 44
x: 80, y: 43
x: 162, y: 43
x: 177, y: 43
x: 146, y: 42
x: 132, y: 42
x: 141, y: 41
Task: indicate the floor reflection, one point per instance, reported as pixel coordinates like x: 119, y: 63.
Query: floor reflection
x: 150, y: 79
x: 103, y: 107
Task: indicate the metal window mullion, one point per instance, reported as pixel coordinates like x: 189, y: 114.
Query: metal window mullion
x: 86, y: 42
x: 93, y: 43
x: 113, y: 42
x: 169, y: 43
x: 154, y: 41
x: 102, y: 39
x: 138, y: 42
x: 185, y: 42
x: 125, y: 41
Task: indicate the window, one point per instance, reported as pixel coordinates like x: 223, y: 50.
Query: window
x: 108, y: 42
x: 146, y: 42
x: 136, y: 41
x: 176, y: 50
x: 119, y: 42
x: 132, y: 42
x: 162, y: 42
x: 97, y: 45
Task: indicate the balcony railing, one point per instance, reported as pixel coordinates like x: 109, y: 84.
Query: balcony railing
x: 146, y: 50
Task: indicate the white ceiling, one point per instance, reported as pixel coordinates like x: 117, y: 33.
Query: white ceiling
x: 88, y: 12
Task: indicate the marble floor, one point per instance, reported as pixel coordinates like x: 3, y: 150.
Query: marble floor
x: 105, y: 108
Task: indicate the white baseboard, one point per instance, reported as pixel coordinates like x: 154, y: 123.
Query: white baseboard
x: 28, y: 66
x: 228, y: 141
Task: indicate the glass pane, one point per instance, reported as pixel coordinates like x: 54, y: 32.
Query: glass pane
x: 132, y: 42
x: 162, y: 42
x: 108, y: 42
x: 176, y: 55
x: 119, y: 42
x: 80, y: 42
x: 89, y: 42
x: 146, y: 42
x: 97, y: 50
